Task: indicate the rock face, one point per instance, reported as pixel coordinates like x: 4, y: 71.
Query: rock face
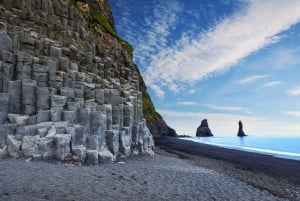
x: 68, y: 87
x: 203, y: 130
x: 241, y: 132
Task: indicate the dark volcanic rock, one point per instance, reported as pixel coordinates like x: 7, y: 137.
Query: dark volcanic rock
x: 203, y: 130
x: 241, y: 132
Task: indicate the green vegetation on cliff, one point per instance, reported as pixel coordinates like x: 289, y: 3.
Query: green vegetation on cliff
x: 95, y: 18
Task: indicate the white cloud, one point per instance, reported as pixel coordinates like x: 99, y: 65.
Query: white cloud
x: 222, y: 46
x: 227, y: 108
x: 249, y: 79
x: 227, y: 124
x: 187, y: 103
x: 294, y: 91
x: 272, y: 83
x: 293, y: 113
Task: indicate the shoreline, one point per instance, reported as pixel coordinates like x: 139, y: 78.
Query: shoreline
x: 171, y: 174
x: 279, y: 176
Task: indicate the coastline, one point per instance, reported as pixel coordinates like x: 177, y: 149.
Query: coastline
x: 171, y: 174
x: 278, y: 176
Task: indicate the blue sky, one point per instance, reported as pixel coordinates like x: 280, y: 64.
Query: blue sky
x: 224, y: 60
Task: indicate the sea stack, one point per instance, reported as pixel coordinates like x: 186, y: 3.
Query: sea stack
x: 203, y: 130
x: 241, y: 132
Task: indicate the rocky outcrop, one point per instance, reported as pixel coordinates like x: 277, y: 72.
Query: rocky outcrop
x: 240, y: 131
x: 203, y: 130
x: 68, y: 87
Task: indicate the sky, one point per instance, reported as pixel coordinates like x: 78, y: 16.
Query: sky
x: 223, y: 60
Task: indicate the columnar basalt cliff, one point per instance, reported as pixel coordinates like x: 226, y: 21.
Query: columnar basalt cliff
x: 68, y: 87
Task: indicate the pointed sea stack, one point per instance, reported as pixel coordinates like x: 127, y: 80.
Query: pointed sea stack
x: 203, y: 130
x: 241, y: 132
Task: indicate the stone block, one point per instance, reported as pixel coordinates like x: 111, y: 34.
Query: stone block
x: 115, y: 115
x: 24, y: 58
x: 64, y: 63
x: 61, y: 127
x: 99, y: 96
x: 51, y: 132
x: 68, y: 92
x: 43, y: 128
x: 81, y: 134
x: 62, y: 145
x: 73, y: 106
x: 42, y: 98
x: 24, y: 71
x: 43, y: 116
x: 15, y: 94
x: 29, y: 96
x: 92, y: 142
x: 13, y: 146
x: 106, y: 156
x: 108, y: 110
x: 79, y: 153
x: 30, y: 145
x: 47, y: 148
x: 56, y: 114
x: 29, y: 130
x: 112, y: 141
x: 125, y: 141
x: 128, y: 115
x: 4, y: 102
x: 55, y: 52
x: 3, y: 117
x: 8, y: 74
x: 58, y: 101
x: 84, y: 116
x: 69, y: 116
x: 3, y: 152
x: 21, y: 120
x: 92, y: 157
x: 5, y: 41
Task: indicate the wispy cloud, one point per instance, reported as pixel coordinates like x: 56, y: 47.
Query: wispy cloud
x: 228, y: 108
x: 293, y: 113
x: 249, y: 79
x: 187, y: 103
x: 294, y: 91
x: 272, y: 83
x: 222, y: 46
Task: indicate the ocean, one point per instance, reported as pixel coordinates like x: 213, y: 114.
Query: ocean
x: 282, y: 147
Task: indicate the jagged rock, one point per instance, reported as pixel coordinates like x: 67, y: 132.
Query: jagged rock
x: 125, y: 141
x: 240, y: 131
x: 63, y: 142
x: 13, y: 146
x: 3, y: 152
x: 43, y: 128
x: 30, y: 145
x: 92, y: 156
x: 112, y: 141
x: 79, y: 153
x: 47, y: 147
x: 203, y: 130
x: 106, y: 156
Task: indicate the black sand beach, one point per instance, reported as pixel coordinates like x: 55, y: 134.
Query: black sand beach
x: 179, y: 171
x: 279, y: 176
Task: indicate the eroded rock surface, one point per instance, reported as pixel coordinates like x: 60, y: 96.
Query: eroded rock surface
x: 68, y: 88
